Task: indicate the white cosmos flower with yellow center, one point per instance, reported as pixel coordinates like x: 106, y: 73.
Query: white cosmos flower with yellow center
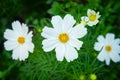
x: 93, y: 17
x: 63, y: 37
x: 109, y: 48
x: 19, y: 40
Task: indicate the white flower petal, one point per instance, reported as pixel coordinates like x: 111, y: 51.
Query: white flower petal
x: 70, y: 53
x: 101, y: 39
x: 110, y: 36
x: 49, y: 44
x: 78, y: 31
x: 23, y: 55
x: 15, y: 54
x: 98, y: 46
x: 93, y: 12
x: 116, y: 48
x: 29, y: 46
x: 98, y: 15
x: 24, y: 28
x: 10, y: 45
x: 29, y: 36
x: 75, y: 43
x: 20, y: 53
x: 107, y: 59
x: 16, y: 26
x: 60, y: 52
x: 115, y: 57
x: 101, y: 56
x: 104, y: 56
x: 68, y: 22
x: 88, y: 12
x: 85, y: 18
x: 10, y: 35
x: 92, y: 23
x: 117, y: 41
x: 57, y: 23
x: 28, y: 43
x: 115, y: 45
x: 49, y: 33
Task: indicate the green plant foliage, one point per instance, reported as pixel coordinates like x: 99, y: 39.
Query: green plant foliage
x: 42, y: 65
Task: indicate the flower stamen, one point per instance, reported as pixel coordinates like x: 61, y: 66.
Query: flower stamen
x: 21, y: 40
x: 92, y: 17
x: 63, y: 37
x: 108, y: 48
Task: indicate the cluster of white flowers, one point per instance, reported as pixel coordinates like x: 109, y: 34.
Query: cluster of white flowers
x: 63, y: 37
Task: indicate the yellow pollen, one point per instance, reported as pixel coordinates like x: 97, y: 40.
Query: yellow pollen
x: 63, y: 37
x: 92, y: 17
x: 21, y: 40
x: 108, y: 48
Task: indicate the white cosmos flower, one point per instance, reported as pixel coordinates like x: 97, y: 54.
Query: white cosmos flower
x: 19, y: 40
x: 93, y: 17
x: 109, y: 48
x: 63, y: 37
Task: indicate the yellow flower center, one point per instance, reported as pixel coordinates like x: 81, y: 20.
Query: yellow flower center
x: 21, y: 40
x: 63, y: 37
x: 108, y: 48
x: 92, y: 17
